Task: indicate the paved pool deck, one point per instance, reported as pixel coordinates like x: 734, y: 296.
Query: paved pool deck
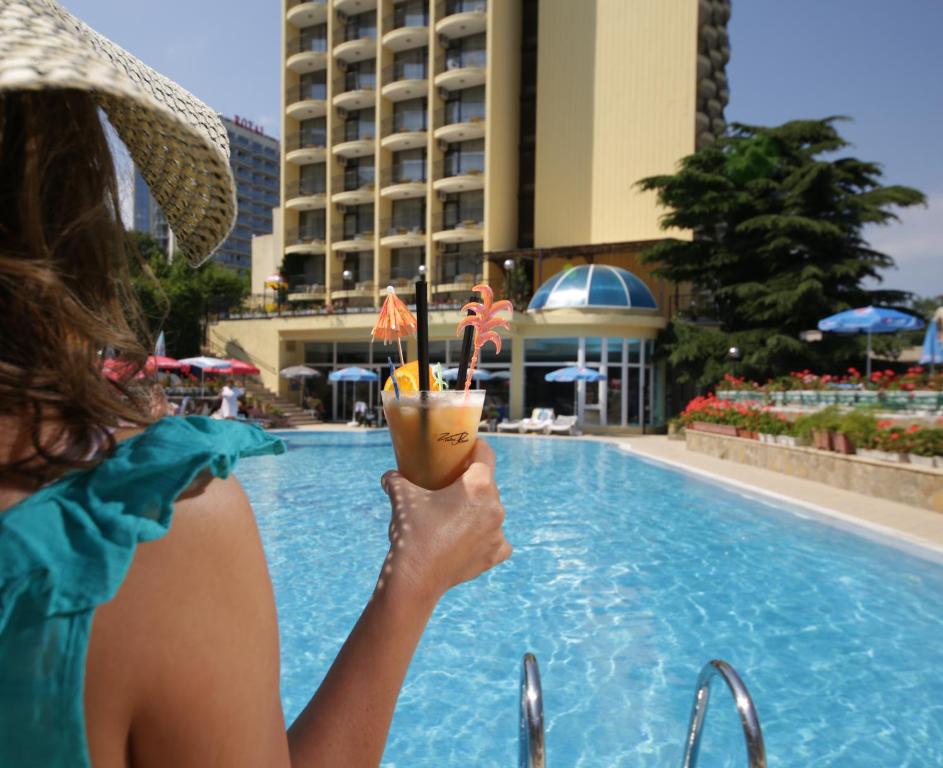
x: 881, y: 519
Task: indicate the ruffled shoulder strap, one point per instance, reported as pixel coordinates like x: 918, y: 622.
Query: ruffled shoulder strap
x: 68, y: 547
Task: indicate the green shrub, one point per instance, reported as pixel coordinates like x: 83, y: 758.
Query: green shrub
x: 861, y: 427
x: 827, y: 418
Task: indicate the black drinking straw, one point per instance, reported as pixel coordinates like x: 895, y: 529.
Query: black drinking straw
x: 422, y: 333
x: 467, y: 341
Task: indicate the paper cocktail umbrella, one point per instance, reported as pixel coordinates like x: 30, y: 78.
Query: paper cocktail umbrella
x: 482, y: 316
x: 395, y: 322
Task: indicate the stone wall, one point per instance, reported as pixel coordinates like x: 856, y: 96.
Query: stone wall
x: 904, y: 483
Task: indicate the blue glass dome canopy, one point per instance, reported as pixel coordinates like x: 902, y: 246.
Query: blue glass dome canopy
x: 593, y: 286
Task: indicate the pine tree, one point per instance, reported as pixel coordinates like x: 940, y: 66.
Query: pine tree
x: 777, y: 221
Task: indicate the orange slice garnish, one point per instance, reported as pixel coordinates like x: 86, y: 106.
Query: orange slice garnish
x: 407, y: 377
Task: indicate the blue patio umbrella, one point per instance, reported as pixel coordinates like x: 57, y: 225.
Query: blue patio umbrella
x: 870, y: 320
x: 451, y: 374
x: 353, y: 374
x: 932, y: 349
x: 574, y: 374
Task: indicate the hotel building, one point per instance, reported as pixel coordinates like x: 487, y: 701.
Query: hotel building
x: 485, y: 140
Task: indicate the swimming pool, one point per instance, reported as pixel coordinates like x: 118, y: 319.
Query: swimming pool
x: 626, y: 577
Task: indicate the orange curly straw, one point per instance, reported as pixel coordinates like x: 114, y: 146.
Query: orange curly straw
x: 485, y: 322
x: 395, y: 322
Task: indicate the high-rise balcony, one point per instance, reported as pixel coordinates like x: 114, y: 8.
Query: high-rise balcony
x: 305, y: 195
x: 353, y: 139
x: 353, y: 188
x: 309, y: 286
x: 353, y: 7
x: 461, y: 122
x: 355, y: 286
x: 459, y: 175
x: 305, y: 147
x: 307, y: 13
x: 405, y: 30
x: 307, y: 100
x: 404, y: 182
x: 467, y: 226
x: 461, y: 69
x: 460, y: 18
x: 355, y: 90
x: 403, y: 232
x: 405, y: 81
x: 304, y: 240
x: 354, y: 43
x: 404, y: 131
x: 351, y: 239
x: 306, y: 54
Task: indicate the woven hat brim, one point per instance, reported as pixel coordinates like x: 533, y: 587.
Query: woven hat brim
x: 178, y: 144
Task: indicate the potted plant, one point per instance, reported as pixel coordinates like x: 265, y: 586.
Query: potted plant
x: 926, y: 447
x: 894, y: 444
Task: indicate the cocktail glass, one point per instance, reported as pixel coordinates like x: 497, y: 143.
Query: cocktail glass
x: 433, y: 433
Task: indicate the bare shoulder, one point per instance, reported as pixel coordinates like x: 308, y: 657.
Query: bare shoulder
x: 183, y: 662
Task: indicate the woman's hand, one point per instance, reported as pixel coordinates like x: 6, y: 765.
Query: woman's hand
x: 442, y: 538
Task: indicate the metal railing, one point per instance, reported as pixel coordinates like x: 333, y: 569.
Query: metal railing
x: 533, y: 749
x: 353, y: 130
x: 756, y: 751
x: 402, y: 124
x: 472, y: 218
x: 403, y: 226
x: 344, y: 33
x: 406, y: 70
x: 363, y: 283
x: 306, y: 44
x: 351, y: 182
x: 457, y: 166
x: 305, y: 188
x: 304, y: 92
x: 355, y: 81
x: 304, y: 235
x: 339, y: 234
x: 396, y: 175
x: 449, y: 7
x: 458, y: 59
x: 399, y: 19
x: 467, y: 113
x: 306, y: 140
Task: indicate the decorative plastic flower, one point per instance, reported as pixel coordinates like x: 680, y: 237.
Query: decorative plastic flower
x: 484, y: 320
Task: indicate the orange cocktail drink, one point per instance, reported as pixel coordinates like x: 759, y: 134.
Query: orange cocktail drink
x: 433, y: 433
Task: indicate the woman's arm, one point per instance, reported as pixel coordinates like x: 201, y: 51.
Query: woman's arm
x: 183, y: 665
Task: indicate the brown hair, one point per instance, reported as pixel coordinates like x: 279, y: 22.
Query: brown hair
x: 65, y: 287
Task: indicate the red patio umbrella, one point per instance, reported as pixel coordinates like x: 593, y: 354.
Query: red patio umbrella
x: 241, y: 368
x: 162, y: 363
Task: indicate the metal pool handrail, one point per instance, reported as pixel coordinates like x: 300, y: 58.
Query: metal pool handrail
x: 756, y: 751
x: 533, y: 753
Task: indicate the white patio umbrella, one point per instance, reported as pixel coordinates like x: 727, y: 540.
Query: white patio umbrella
x: 205, y: 364
x: 299, y: 372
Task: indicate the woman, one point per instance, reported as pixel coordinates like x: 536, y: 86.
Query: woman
x: 137, y: 624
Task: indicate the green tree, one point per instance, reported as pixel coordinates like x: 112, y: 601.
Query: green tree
x: 777, y: 245
x: 180, y: 299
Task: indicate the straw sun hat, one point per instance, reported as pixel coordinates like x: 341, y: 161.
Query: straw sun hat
x: 176, y: 141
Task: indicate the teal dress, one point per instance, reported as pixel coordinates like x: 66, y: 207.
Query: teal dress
x: 66, y: 549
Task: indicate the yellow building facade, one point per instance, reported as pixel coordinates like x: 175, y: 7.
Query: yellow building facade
x: 482, y: 140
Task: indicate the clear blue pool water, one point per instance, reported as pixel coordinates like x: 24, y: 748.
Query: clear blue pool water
x: 626, y: 578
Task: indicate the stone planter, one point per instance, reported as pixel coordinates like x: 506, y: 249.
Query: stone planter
x: 746, y: 434
x: 787, y: 440
x: 924, y: 461
x: 765, y: 438
x: 822, y: 439
x: 842, y: 443
x: 876, y: 455
x: 728, y: 430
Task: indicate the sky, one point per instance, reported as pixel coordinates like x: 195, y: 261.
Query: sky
x: 877, y: 62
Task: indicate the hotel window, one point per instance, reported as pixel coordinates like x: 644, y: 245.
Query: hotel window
x: 361, y: 76
x: 466, y: 52
x: 409, y: 215
x: 409, y: 115
x: 465, y: 106
x: 465, y: 157
x: 313, y: 85
x: 361, y: 25
x: 313, y: 39
x: 359, y: 173
x: 460, y: 260
x: 313, y: 132
x: 411, y: 64
x: 463, y: 207
x: 412, y: 13
x: 312, y: 179
x: 358, y: 221
x: 311, y: 225
x: 360, y: 125
x: 404, y: 262
x: 409, y: 165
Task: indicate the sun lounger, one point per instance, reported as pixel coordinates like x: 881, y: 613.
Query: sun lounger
x: 539, y: 421
x: 563, y: 425
x: 518, y: 426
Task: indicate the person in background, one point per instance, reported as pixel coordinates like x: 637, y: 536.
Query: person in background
x: 138, y: 626
x: 229, y: 395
